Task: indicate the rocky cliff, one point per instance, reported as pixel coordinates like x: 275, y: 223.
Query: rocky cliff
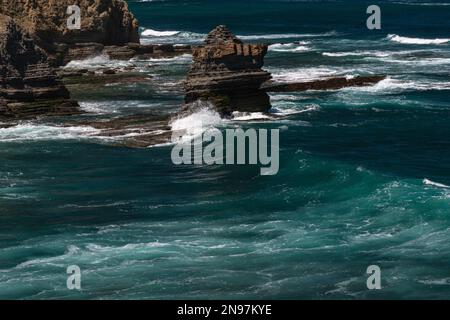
x: 227, y: 72
x: 103, y: 22
x: 28, y: 85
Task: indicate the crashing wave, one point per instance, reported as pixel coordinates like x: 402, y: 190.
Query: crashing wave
x: 286, y: 35
x: 290, y: 47
x: 407, y: 40
x: 155, y: 33
x: 434, y: 184
x: 33, y: 132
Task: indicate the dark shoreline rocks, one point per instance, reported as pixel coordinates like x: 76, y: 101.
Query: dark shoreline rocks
x: 82, y: 51
x: 29, y: 87
x: 323, y: 84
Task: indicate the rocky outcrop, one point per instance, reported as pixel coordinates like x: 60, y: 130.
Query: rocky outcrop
x: 28, y: 85
x: 126, y: 52
x: 227, y: 72
x: 103, y: 23
x: 325, y: 84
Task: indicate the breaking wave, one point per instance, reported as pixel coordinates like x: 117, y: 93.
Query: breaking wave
x: 407, y: 40
x: 434, y: 184
x: 187, y: 37
x: 193, y: 124
x: 306, y: 74
x: 33, y: 132
x: 290, y: 47
x: 356, y: 54
x: 154, y: 33
x: 392, y: 85
x: 287, y: 35
x: 96, y: 62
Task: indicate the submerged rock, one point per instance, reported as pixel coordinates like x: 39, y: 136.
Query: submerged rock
x: 228, y: 73
x: 28, y: 85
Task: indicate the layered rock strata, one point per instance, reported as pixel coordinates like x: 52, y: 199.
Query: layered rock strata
x: 104, y: 23
x: 227, y: 72
x: 28, y: 85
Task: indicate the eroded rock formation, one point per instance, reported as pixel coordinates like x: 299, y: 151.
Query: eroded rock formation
x: 103, y: 23
x: 28, y: 85
x: 228, y: 73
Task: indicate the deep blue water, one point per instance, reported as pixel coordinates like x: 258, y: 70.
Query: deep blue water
x: 364, y: 172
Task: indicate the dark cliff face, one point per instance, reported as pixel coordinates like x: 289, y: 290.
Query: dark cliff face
x: 103, y: 22
x: 108, y: 22
x: 228, y: 73
x: 28, y: 85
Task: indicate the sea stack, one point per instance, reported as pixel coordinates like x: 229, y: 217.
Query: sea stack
x: 227, y: 72
x: 28, y: 85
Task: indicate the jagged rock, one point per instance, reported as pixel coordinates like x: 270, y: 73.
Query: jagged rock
x: 109, y: 71
x: 227, y: 73
x: 108, y: 22
x: 28, y: 85
x: 103, y: 23
x: 81, y: 51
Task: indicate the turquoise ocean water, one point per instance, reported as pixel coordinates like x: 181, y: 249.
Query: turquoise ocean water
x: 364, y: 172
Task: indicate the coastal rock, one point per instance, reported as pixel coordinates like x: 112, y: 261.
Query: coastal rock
x: 103, y: 23
x: 28, y: 85
x: 323, y: 84
x: 227, y: 72
x: 108, y: 22
x: 145, y: 51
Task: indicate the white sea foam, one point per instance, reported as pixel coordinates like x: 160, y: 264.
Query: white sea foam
x: 196, y: 123
x: 150, y: 36
x: 98, y: 107
x: 184, y: 58
x: 391, y: 85
x: 419, y: 61
x: 274, y: 113
x: 29, y: 131
x: 155, y: 33
x: 407, y: 40
x: 356, y: 54
x: 55, y: 260
x: 108, y: 107
x: 249, y: 116
x: 290, y: 47
x: 434, y: 184
x: 96, y: 62
x: 286, y: 35
x: 305, y: 74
